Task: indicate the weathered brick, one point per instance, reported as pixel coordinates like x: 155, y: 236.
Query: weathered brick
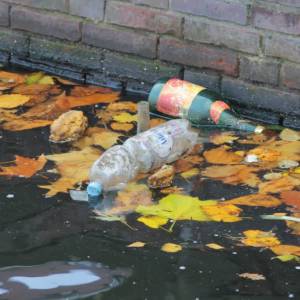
x: 290, y: 75
x: 259, y: 70
x: 14, y: 42
x: 216, y: 9
x: 198, y: 55
x: 51, y: 68
x: 231, y: 36
x: 261, y: 97
x: 140, y: 88
x: 60, y: 26
x: 283, y: 47
x: 60, y: 5
x: 66, y: 53
x: 293, y: 3
x: 98, y: 78
x: 280, y: 21
x: 142, y: 69
x: 153, y: 3
x: 143, y: 18
x: 292, y: 121
x: 4, y: 14
x: 92, y: 9
x: 120, y: 40
x: 208, y: 79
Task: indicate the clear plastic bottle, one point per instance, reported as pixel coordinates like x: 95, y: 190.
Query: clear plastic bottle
x: 141, y: 153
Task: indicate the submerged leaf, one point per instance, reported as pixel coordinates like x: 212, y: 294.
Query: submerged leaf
x: 252, y: 276
x: 136, y: 245
x: 190, y: 173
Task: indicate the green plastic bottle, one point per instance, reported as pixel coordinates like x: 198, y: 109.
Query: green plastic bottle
x: 178, y: 98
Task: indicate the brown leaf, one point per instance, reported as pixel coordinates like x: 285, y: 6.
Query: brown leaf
x: 24, y: 166
x: 252, y: 276
x: 255, y: 200
x: 162, y: 178
x: 187, y: 163
x: 223, y: 138
x: 9, y: 80
x: 221, y: 155
x: 285, y: 183
x: 156, y: 121
x: 233, y: 174
x: 125, y: 127
x: 21, y: 124
x: 82, y: 91
x: 291, y: 198
x: 122, y: 106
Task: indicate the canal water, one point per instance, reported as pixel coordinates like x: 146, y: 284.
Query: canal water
x: 50, y: 248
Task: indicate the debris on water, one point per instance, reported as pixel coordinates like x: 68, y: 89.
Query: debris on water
x: 10, y: 196
x: 182, y: 268
x: 79, y: 195
x: 251, y: 158
x: 287, y: 164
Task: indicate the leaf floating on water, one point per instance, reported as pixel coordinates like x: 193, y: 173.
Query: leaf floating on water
x: 286, y: 250
x: 252, y: 276
x: 162, y: 177
x: 46, y: 80
x: 214, y: 246
x: 288, y: 164
x: 153, y: 221
x: 190, y: 173
x: 34, y: 77
x: 156, y: 121
x: 285, y: 183
x: 136, y: 245
x: 289, y: 135
x: 83, y: 91
x: 121, y: 106
x: 172, y: 190
x: 221, y: 155
x: 272, y: 176
x: 125, y: 118
x: 223, y: 212
x: 171, y: 248
x: 258, y: 238
x: 21, y: 124
x: 121, y: 126
x: 9, y: 80
x: 291, y: 198
x: 263, y: 200
x: 223, y: 138
x: 288, y: 257
x: 13, y: 100
x: 24, y: 167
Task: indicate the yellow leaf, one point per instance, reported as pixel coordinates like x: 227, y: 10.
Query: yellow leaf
x: 255, y: 200
x: 223, y: 138
x: 24, y: 166
x: 222, y: 212
x: 190, y: 173
x: 172, y: 190
x: 13, y: 100
x: 220, y: 155
x: 171, y: 248
x: 258, y: 238
x: 125, y: 118
x: 46, y: 80
x: 9, y: 80
x: 289, y: 135
x: 177, y: 207
x: 121, y: 126
x: 252, y: 276
x: 214, y: 246
x: 153, y: 221
x: 34, y: 77
x: 97, y: 136
x: 136, y: 245
x: 286, y: 250
x: 21, y: 124
x: 288, y: 257
x: 122, y: 105
x: 285, y: 183
x: 297, y: 170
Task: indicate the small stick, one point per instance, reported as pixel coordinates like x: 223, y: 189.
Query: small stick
x: 143, y: 123
x: 282, y: 218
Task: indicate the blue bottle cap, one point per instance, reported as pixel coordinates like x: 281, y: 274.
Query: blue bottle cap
x: 94, y: 189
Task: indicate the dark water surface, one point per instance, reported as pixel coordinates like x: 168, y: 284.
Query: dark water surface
x: 52, y: 234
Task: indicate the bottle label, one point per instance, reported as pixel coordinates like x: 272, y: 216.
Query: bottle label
x: 216, y: 110
x: 176, y: 97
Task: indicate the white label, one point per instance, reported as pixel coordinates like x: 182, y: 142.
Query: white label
x: 161, y: 143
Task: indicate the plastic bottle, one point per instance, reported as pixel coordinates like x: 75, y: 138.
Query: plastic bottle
x: 141, y: 153
x: 178, y: 98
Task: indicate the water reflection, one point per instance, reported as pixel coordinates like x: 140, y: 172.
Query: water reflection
x: 58, y: 280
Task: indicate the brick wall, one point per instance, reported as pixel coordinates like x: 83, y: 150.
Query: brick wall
x: 248, y: 50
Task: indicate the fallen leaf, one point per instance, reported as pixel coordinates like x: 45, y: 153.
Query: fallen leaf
x: 258, y: 238
x: 153, y: 221
x: 285, y: 183
x: 13, y: 100
x: 291, y: 198
x: 171, y: 248
x: 222, y: 212
x: 287, y: 164
x: 21, y: 124
x: 34, y: 77
x: 162, y: 177
x: 295, y: 226
x: 286, y: 250
x: 9, y: 80
x: 289, y: 135
x: 156, y: 122
x: 125, y: 118
x: 233, y: 174
x: 82, y: 91
x: 24, y: 166
x: 190, y: 173
x: 254, y: 139
x: 46, y: 80
x: 252, y: 276
x: 73, y: 167
x: 136, y: 245
x: 255, y: 200
x: 214, y: 246
x: 221, y: 155
x: 121, y: 106
x: 121, y: 126
x: 65, y: 81
x: 187, y: 163
x: 172, y: 190
x: 272, y: 176
x: 223, y: 138
x: 288, y: 257
x: 98, y: 136
x: 130, y: 198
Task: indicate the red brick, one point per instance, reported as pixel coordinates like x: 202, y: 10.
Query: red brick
x: 4, y: 14
x: 283, y: 47
x: 232, y: 36
x: 259, y: 70
x: 124, y: 14
x: 290, y: 76
x: 216, y: 9
x: 120, y: 40
x: 198, y: 55
x: 58, y: 26
x: 280, y: 21
x: 153, y: 3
